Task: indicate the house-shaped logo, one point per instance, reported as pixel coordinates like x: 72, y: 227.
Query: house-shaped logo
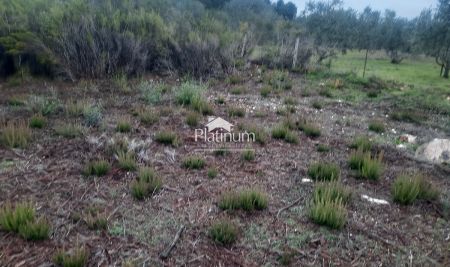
x: 217, y: 124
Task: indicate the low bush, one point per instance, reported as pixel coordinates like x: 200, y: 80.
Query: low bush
x: 367, y: 167
x: 324, y: 172
x: 97, y: 168
x: 309, y: 129
x: 247, y: 200
x: 167, y: 138
x: 193, y: 119
x: 290, y: 101
x: 37, y: 121
x: 16, y: 135
x: 147, y: 116
x: 317, y: 105
x: 22, y: 220
x: 194, y: 162
x: 69, y: 130
x: 377, y: 126
x: 408, y: 188
x: 248, y: 154
x: 92, y: 116
x: 265, y: 91
x: 331, y: 191
x: 212, y: 172
x: 123, y: 125
x: 260, y: 133
x: 223, y: 232
x: 361, y: 142
x: 330, y: 213
x: 238, y: 90
x: 408, y: 116
x: 75, y: 108
x: 323, y: 148
x: 222, y: 151
x: 126, y: 161
x: 75, y: 258
x: 236, y: 112
x: 147, y: 183
x: 279, y: 131
x: 291, y: 137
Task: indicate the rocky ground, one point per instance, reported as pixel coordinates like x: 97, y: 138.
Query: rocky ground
x: 378, y: 231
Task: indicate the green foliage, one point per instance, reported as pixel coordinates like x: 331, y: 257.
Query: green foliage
x: 408, y: 116
x: 147, y: 183
x: 16, y: 135
x: 260, y: 134
x: 148, y: 116
x: 238, y: 90
x: 69, y: 130
x: 324, y: 172
x: 75, y: 108
x: 308, y: 129
x: 152, y: 92
x: 44, y: 105
x: 212, y: 172
x: 97, y: 168
x: 327, y: 212
x: 123, y: 125
x: 331, y: 191
x: 223, y: 232
x: 377, y: 126
x: 236, y: 112
x: 222, y: 151
x: 361, y: 143
x: 366, y: 166
x: 234, y: 79
x: 323, y: 148
x: 247, y: 200
x: 37, y: 121
x: 248, y: 154
x: 92, y: 115
x: 265, y: 91
x: 193, y: 119
x: 317, y: 105
x: 167, y: 138
x: 194, y: 162
x: 22, y: 220
x: 75, y: 258
x: 126, y: 160
x: 16, y: 101
x: 187, y: 92
x: 407, y: 188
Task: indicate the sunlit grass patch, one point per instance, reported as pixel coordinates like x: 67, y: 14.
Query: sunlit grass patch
x: 68, y: 130
x: 147, y: 183
x: 223, y: 232
x: 324, y: 171
x: 194, y: 162
x: 37, y: 121
x: 167, y: 138
x: 77, y: 257
x: 408, y: 188
x: 97, y: 168
x: 16, y: 134
x: 247, y: 200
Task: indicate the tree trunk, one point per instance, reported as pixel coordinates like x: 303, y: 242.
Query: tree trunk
x: 446, y: 72
x: 365, y: 63
x: 294, y: 60
x: 244, y: 44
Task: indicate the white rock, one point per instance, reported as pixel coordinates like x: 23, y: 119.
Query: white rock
x: 375, y: 200
x: 436, y: 151
x: 306, y: 180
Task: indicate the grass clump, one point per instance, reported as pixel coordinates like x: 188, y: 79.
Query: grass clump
x: 324, y: 171
x: 290, y: 101
x: 193, y: 119
x: 69, y: 130
x: 97, y: 168
x: 361, y: 143
x: 190, y: 94
x: 223, y: 232
x: 37, y: 121
x: 317, y: 104
x: 282, y: 131
x: 126, y: 160
x: 323, y: 148
x: 332, y: 191
x: 194, y: 162
x: 76, y: 258
x: 75, y: 108
x: 167, y: 138
x: 16, y: 135
x: 367, y: 166
x: 123, y: 125
x: 22, y: 220
x: 239, y: 90
x: 259, y: 133
x: 408, y: 188
x: 92, y: 116
x: 147, y: 183
x: 212, y: 172
x: 408, y: 116
x: 309, y: 129
x: 265, y: 91
x: 247, y: 200
x: 328, y: 212
x: 236, y: 112
x: 222, y: 151
x: 147, y: 116
x: 16, y: 101
x: 248, y: 154
x: 377, y: 126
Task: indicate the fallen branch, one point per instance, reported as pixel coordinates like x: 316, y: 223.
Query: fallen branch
x: 167, y: 251
x: 289, y: 206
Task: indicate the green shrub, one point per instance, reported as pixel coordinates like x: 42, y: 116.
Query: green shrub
x: 326, y: 92
x: 120, y: 81
x: 167, y: 138
x: 22, y: 220
x: 223, y: 232
x: 76, y: 258
x: 193, y: 119
x: 96, y: 221
x: 265, y: 91
x: 367, y: 167
x: 407, y: 188
x: 238, y: 90
x: 309, y: 130
x: 187, y: 92
x: 412, y: 116
x: 377, y: 126
x: 260, y: 134
x: 202, y: 106
x: 236, y: 112
x: 123, y: 125
x: 147, y: 116
x: 361, y: 142
x: 324, y: 172
x: 69, y: 130
x: 323, y: 148
x: 126, y: 160
x: 331, y: 191
x: 317, y: 105
x: 75, y: 108
x: 37, y: 121
x: 279, y: 131
x: 44, y: 105
x: 193, y: 162
x: 16, y: 101
x: 97, y: 168
x: 147, y: 183
x: 290, y: 101
x: 92, y: 116
x: 330, y: 213
x: 248, y: 154
x: 247, y: 200
x: 234, y: 79
x: 16, y: 135
x: 212, y: 172
x: 291, y: 138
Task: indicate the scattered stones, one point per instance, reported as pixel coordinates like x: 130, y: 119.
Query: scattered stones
x: 436, y: 151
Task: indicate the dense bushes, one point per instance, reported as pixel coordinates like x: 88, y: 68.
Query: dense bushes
x: 94, y: 39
